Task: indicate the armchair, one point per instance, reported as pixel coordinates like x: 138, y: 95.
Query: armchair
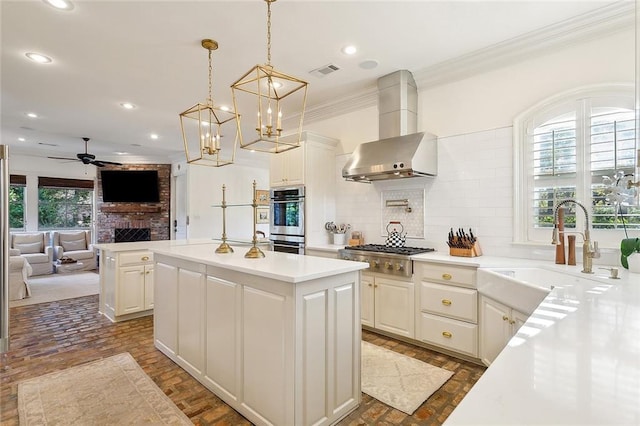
x: 77, y: 245
x: 19, y: 271
x: 36, y: 249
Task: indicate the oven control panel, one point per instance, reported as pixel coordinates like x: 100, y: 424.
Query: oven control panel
x: 396, y: 266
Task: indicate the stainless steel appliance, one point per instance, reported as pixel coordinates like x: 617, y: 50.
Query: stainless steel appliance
x: 286, y: 228
x: 4, y: 248
x: 382, y: 259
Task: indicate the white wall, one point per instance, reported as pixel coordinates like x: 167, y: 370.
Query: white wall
x: 473, y: 119
x: 205, y: 191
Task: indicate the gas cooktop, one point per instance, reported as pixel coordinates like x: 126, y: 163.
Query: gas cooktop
x: 381, y: 248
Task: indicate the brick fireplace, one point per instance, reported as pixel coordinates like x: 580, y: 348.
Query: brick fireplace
x: 120, y: 222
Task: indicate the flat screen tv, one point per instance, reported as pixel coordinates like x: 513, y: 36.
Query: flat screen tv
x: 131, y: 186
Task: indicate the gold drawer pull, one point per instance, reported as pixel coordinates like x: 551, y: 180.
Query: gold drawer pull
x: 446, y: 302
x: 446, y: 276
x: 370, y: 285
x: 447, y: 334
x: 512, y: 322
x: 505, y: 318
x: 145, y: 258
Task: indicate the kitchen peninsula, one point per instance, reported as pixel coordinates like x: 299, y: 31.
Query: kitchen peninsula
x: 276, y: 338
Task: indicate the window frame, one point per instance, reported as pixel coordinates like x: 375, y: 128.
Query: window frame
x: 63, y: 184
x: 580, y: 100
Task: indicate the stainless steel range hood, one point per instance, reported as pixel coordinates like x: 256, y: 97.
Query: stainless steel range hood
x: 400, y: 152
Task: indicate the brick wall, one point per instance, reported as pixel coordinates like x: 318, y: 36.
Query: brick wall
x: 136, y: 215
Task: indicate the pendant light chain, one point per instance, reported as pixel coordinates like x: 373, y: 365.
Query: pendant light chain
x: 210, y: 100
x: 269, y: 31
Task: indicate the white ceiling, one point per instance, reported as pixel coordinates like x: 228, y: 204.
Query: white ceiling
x: 148, y: 53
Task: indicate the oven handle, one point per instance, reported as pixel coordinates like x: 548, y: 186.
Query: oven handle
x: 291, y: 200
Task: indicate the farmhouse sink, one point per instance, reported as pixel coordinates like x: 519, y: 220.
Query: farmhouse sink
x: 520, y: 288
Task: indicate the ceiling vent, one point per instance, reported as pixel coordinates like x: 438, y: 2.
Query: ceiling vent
x: 324, y: 70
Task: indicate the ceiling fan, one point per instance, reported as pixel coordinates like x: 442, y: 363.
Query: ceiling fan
x: 87, y: 158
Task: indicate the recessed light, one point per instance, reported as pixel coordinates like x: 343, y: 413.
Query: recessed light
x: 276, y: 84
x: 21, y: 139
x: 32, y: 115
x: 121, y: 152
x: 224, y: 108
x: 127, y: 105
x: 60, y: 4
x: 38, y: 57
x: 349, y: 50
x: 369, y: 64
x: 153, y: 136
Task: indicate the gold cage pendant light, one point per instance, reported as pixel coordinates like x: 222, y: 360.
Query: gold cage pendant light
x: 204, y: 127
x: 277, y: 96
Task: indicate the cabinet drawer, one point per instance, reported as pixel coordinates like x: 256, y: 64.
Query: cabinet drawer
x: 457, y: 336
x: 451, y: 301
x: 448, y: 274
x: 135, y: 257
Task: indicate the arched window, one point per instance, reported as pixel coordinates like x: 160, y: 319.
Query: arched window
x: 563, y: 147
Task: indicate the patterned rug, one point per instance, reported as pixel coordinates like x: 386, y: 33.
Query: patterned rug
x: 109, y: 391
x: 402, y: 382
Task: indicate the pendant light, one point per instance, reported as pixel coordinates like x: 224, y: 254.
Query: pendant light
x: 206, y: 128
x: 276, y: 95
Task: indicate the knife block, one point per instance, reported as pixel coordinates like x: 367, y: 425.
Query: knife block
x: 473, y: 251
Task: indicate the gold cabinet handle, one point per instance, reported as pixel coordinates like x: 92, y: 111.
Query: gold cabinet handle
x: 370, y: 285
x: 145, y: 258
x: 446, y: 276
x: 375, y: 286
x: 512, y: 322
x: 446, y: 302
x: 505, y: 318
x: 147, y: 272
x: 447, y: 334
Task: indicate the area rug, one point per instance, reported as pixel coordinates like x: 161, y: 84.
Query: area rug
x: 402, y: 382
x: 110, y: 391
x: 49, y: 288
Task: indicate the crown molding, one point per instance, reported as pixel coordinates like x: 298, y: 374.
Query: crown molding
x: 600, y: 22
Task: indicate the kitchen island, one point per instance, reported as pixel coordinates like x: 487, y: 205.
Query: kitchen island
x: 276, y: 338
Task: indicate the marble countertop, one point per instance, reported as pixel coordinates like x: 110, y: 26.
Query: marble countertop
x: 285, y: 267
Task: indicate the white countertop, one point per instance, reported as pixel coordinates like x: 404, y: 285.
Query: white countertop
x: 575, y: 361
x: 148, y: 245
x: 285, y: 267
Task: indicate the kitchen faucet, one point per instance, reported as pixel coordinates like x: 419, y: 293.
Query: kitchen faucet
x: 589, y: 251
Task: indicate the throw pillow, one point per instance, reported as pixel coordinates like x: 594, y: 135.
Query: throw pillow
x: 74, y: 245
x: 28, y: 248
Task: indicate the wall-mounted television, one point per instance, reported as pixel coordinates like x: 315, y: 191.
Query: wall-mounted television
x: 131, y: 186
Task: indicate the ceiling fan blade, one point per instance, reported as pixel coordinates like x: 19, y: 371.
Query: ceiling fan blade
x: 63, y: 158
x: 103, y: 162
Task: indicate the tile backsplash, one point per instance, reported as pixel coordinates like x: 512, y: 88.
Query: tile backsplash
x: 473, y: 189
x: 411, y: 216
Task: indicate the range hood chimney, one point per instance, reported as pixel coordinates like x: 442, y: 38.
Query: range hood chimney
x: 400, y: 152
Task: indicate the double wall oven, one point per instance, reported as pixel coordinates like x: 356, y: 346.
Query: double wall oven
x: 286, y: 229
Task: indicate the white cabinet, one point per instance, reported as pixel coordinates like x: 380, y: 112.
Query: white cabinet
x: 287, y: 168
x: 388, y: 305
x: 276, y: 351
x: 498, y: 324
x: 312, y: 165
x: 127, y: 284
x: 447, y: 304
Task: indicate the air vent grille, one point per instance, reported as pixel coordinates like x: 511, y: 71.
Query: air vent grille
x: 324, y: 70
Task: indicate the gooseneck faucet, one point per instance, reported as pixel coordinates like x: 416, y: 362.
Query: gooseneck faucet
x: 589, y: 248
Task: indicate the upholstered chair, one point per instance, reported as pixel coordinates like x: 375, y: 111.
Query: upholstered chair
x: 76, y: 245
x: 19, y: 271
x: 36, y: 249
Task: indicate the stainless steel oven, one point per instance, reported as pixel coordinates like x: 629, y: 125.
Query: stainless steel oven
x: 287, y: 211
x: 288, y: 244
x: 286, y: 229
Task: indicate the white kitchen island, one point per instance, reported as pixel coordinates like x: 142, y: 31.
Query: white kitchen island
x: 277, y: 338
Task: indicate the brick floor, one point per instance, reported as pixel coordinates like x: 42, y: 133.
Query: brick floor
x: 53, y: 336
